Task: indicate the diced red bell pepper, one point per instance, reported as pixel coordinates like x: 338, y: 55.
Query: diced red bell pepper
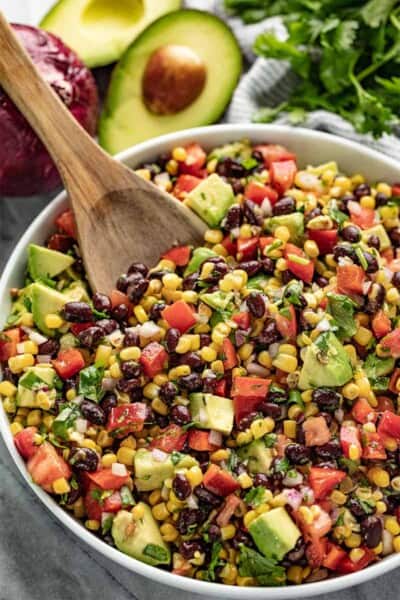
x: 8, y: 343
x: 320, y: 526
x: 220, y: 388
x: 381, y: 324
x: 46, y: 466
x: 257, y: 192
x: 350, y: 279
x: 349, y: 566
x: 248, y: 393
x: 282, y: 175
x: 200, y: 440
x: 387, y: 254
x: 323, y: 480
x: 229, y: 351
x: 242, y: 319
x: 350, y: 439
x: 195, y: 160
x: 25, y: 442
x: 153, y: 359
x: 325, y: 239
x: 127, y: 418
x: 396, y: 189
x: 179, y: 255
x: 230, y: 245
x: 304, y: 271
x: 316, y: 431
x: 66, y: 223
x: 171, y: 439
x: 219, y: 482
x: 274, y: 153
x: 391, y: 341
x: 105, y: 479
x: 179, y: 315
x: 95, y: 507
x: 389, y: 425
x: 384, y: 403
x: 246, y: 248
x: 264, y: 241
x: 60, y: 242
x: 76, y: 328
x: 117, y: 298
x: 334, y: 555
x: 316, y: 551
x: 363, y: 217
x: 231, y: 504
x: 373, y: 447
x: 68, y: 363
x: 393, y: 381
x: 363, y: 412
x: 287, y: 326
x: 185, y: 184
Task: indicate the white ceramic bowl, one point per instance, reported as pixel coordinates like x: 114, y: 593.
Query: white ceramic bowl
x: 311, y: 148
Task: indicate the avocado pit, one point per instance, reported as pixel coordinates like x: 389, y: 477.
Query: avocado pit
x: 173, y: 79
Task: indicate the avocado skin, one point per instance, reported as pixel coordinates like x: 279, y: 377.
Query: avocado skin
x: 326, y: 363
x: 274, y: 533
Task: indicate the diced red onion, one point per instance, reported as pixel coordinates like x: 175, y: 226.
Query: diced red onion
x: 308, y: 494
x: 159, y: 455
x: 192, y: 502
x: 308, y: 181
x: 240, y: 337
x: 293, y: 481
x: 387, y: 542
x: 116, y: 338
x: 266, y: 207
x: 78, y: 400
x: 119, y: 469
x: 37, y: 338
x: 108, y: 384
x: 235, y: 232
x: 366, y: 286
x: 149, y: 329
x: 256, y: 369
x: 354, y: 207
x: 81, y: 425
x: 43, y: 358
x: 339, y: 414
x: 323, y: 325
x: 388, y: 273
x: 273, y: 349
x: 215, y: 438
x: 293, y: 498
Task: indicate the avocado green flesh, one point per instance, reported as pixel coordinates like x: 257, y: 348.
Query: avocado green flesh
x: 44, y: 263
x: 151, y: 473
x: 274, y: 533
x: 100, y: 30
x: 126, y: 120
x: 46, y: 300
x: 380, y: 233
x: 294, y: 222
x: 257, y: 457
x: 326, y: 364
x: 211, y: 199
x: 27, y: 398
x: 212, y: 412
x: 140, y: 538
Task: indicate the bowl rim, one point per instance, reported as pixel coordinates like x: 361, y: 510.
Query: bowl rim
x: 48, y: 214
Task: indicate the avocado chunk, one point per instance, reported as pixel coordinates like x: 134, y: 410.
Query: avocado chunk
x: 44, y: 263
x: 274, y: 533
x: 46, y: 300
x: 326, y: 363
x: 218, y: 300
x: 206, y: 37
x: 35, y: 379
x: 140, y: 538
x: 211, y: 199
x: 258, y: 282
x: 212, y: 412
x: 151, y: 473
x: 380, y: 233
x: 99, y: 30
x: 294, y: 222
x: 257, y: 456
x: 199, y: 256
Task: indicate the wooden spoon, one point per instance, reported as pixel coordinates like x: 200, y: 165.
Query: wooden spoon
x: 120, y: 217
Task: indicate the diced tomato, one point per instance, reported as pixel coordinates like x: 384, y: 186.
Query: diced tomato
x: 392, y: 342
x: 105, y: 479
x: 179, y: 315
x: 325, y: 239
x: 25, y: 442
x: 396, y: 189
x: 381, y: 324
x: 113, y: 503
x: 185, y: 184
x: 283, y: 174
x: 242, y: 319
x: 117, y: 298
x: 264, y: 241
x: 153, y: 359
x: 179, y: 255
x: 248, y: 393
x: 302, y: 271
x: 394, y: 265
x: 60, y: 242
x: 387, y: 254
x: 231, y: 504
x: 287, y: 326
x: 349, y: 566
x: 320, y: 526
x: 171, y: 439
x: 334, y: 555
x: 66, y: 223
x: 68, y: 363
x: 257, y: 192
x: 200, y: 441
x: 220, y: 388
x: 384, y: 403
x: 316, y: 551
x: 323, y: 480
x: 362, y: 217
x: 363, y: 412
x: 373, y: 446
x: 76, y: 328
x: 393, y: 381
x: 389, y: 425
x: 350, y: 279
x: 350, y: 439
x: 229, y: 352
x: 195, y: 160
x: 316, y: 431
x: 46, y: 466
x: 127, y: 418
x: 246, y: 248
x: 95, y: 506
x: 8, y: 343
x: 230, y: 245
x: 219, y: 482
x: 274, y: 153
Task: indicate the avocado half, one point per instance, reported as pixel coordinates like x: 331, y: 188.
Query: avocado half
x: 100, y: 30
x: 207, y: 59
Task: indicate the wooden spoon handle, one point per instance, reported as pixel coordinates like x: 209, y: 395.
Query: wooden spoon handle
x: 71, y: 148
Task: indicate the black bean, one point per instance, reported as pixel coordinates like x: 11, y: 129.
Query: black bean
x: 326, y: 399
x: 205, y: 339
x: 84, y: 459
x: 122, y: 283
x: 330, y: 450
x: 109, y: 401
x: 188, y: 519
x: 137, y: 287
x: 234, y: 217
x: 396, y: 279
x: 270, y: 409
x: 256, y: 305
x: 237, y: 186
x: 8, y: 375
x: 375, y: 298
x: 168, y: 391
x: 180, y: 415
x: 356, y: 508
x: 188, y: 548
x: 287, y: 276
x: 73, y: 496
x: 101, y: 302
x: 241, y: 538
x: 362, y: 190
x: 269, y: 335
x: 131, y: 369
x: 172, y: 338
x: 214, y: 532
x: 321, y: 281
x: 193, y: 360
x: 284, y: 206
x: 297, y: 454
x: 344, y: 251
x: 51, y: 347
x: 77, y: 312
x: 298, y: 551
x: 107, y: 325
x: 191, y: 383
x: 394, y: 235
x: 190, y: 282
x: 129, y: 386
x: 373, y: 265
x: 260, y: 479
x: 210, y: 382
x: 120, y: 312
x: 138, y: 268
x: 207, y: 497
x: 267, y: 265
x: 91, y: 336
x: 229, y: 167
x: 351, y: 234
x: 252, y: 267
x: 181, y: 487
x: 374, y: 242
x: 381, y: 199
x: 131, y: 338
x: 247, y: 420
x: 156, y: 310
x: 219, y: 271
x: 315, y: 212
x: 371, y: 531
x: 92, y: 412
x: 251, y: 213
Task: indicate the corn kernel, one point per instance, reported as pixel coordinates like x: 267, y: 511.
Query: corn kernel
x: 92, y: 525
x: 88, y: 443
x: 392, y: 295
x: 290, y: 428
x: 260, y: 427
x: 264, y: 359
x: 27, y: 320
x: 61, y: 486
x: 115, y: 371
x: 245, y: 351
x: 18, y: 363
x: 7, y: 389
x: 379, y: 477
x: 130, y: 353
x: 140, y: 314
x: 169, y: 532
x: 144, y: 174
x: 27, y: 347
x: 228, y: 532
x: 159, y: 406
x: 306, y: 514
x: 307, y: 396
x: 15, y: 427
x: 107, y: 460
x: 53, y: 321
x: 311, y: 249
x: 353, y: 541
x: 381, y: 508
x: 288, y: 349
x: 219, y: 455
x: 171, y: 281
x: 295, y: 574
x: 351, y: 391
x: 213, y: 236
x: 160, y: 511
x: 103, y: 354
x: 338, y: 497
x: 43, y: 400
x: 363, y: 336
x: 184, y: 344
x: 208, y: 354
x: 396, y: 543
x: 356, y: 554
x: 285, y: 362
x: 245, y: 581
x: 244, y: 437
x: 195, y: 476
x: 392, y: 525
x: 282, y: 233
x: 34, y: 418
x: 245, y: 481
x: 179, y: 154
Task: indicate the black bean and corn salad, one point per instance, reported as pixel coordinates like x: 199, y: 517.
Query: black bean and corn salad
x: 230, y: 414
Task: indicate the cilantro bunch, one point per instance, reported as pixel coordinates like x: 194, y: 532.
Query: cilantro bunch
x: 346, y: 54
